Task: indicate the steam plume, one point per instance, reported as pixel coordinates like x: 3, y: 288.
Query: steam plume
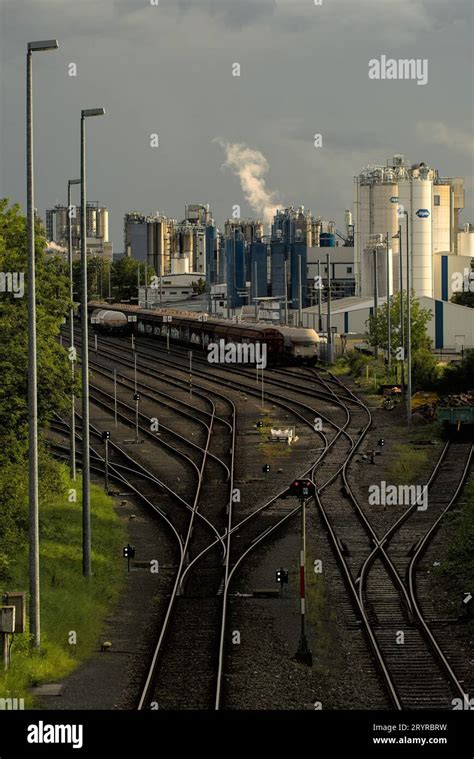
x: 251, y: 166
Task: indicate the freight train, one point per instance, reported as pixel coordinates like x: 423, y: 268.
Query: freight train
x: 284, y: 345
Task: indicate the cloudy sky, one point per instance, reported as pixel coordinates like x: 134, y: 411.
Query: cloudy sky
x: 166, y: 68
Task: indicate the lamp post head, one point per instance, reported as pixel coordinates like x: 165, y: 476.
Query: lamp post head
x: 92, y: 112
x: 34, y: 47
x: 74, y: 181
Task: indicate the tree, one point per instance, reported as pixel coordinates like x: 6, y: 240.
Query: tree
x: 378, y: 326
x: 458, y: 378
x: 124, y: 278
x: 52, y: 306
x: 200, y: 286
x: 424, y: 370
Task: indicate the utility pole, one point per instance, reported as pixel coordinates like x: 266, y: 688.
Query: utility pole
x: 376, y: 305
x: 402, y: 324
x: 190, y: 373
x: 86, y: 505
x: 72, y: 424
x: 408, y: 331
x: 255, y: 292
x: 33, y: 502
x: 300, y: 294
x: 389, y: 325
x: 303, y: 653
x: 115, y: 397
x: 320, y: 293
x: 146, y: 288
x: 328, y: 304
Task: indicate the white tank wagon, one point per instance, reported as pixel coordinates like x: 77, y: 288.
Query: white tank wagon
x: 106, y: 320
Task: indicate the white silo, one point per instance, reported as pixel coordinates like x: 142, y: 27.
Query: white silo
x: 421, y: 237
x: 375, y: 212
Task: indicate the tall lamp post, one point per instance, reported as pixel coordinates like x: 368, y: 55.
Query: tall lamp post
x: 376, y: 303
x: 72, y: 427
x: 34, y: 580
x: 389, y: 318
x: 408, y: 325
x: 86, y: 505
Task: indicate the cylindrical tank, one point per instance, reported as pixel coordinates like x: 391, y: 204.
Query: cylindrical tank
x: 466, y: 241
x: 187, y: 248
x: 348, y: 218
x: 421, y: 237
x: 103, y: 224
x: 327, y: 240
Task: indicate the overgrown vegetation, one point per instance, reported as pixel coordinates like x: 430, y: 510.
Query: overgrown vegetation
x: 69, y: 602
x: 122, y: 275
x: 406, y: 464
x: 427, y: 372
x: 458, y: 569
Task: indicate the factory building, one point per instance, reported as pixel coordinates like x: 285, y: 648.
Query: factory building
x: 341, y: 271
x: 258, y: 273
x: 97, y: 228
x: 427, y: 208
x: 250, y: 229
x: 191, y: 245
x: 235, y: 269
x: 291, y: 221
x: 451, y: 328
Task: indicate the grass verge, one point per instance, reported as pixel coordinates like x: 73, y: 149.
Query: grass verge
x: 457, y: 572
x: 70, y: 603
x: 407, y: 464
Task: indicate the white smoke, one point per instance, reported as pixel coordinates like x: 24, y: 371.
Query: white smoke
x: 251, y: 166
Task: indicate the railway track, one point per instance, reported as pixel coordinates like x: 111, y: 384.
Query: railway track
x: 381, y: 584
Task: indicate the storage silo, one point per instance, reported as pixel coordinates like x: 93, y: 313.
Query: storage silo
x: 421, y: 237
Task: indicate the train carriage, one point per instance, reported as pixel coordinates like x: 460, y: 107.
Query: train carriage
x: 283, y: 344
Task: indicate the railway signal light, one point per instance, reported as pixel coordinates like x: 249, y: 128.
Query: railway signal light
x: 106, y: 435
x: 136, y: 396
x: 302, y: 488
x: 259, y: 424
x: 281, y: 576
x: 381, y: 442
x: 128, y: 553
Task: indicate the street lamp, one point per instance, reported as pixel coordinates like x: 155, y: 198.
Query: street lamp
x: 35, y: 626
x: 389, y: 316
x: 86, y: 506
x: 408, y: 328
x: 72, y: 428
